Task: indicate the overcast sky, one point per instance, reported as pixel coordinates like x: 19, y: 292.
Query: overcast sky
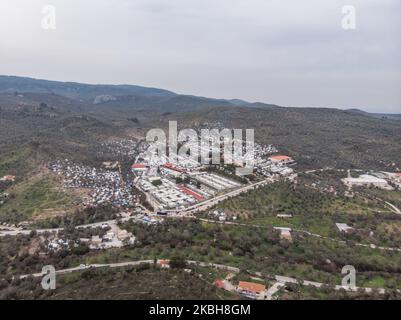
x: 288, y: 52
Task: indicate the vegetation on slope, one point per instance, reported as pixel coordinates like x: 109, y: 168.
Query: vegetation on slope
x: 130, y: 283
x: 40, y: 196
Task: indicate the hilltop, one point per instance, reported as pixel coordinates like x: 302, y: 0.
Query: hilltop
x: 70, y: 119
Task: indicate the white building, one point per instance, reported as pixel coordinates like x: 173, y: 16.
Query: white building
x: 366, y: 180
x: 343, y: 227
x: 138, y: 167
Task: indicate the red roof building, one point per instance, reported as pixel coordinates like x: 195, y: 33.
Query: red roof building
x: 281, y: 159
x: 172, y: 167
x: 8, y: 178
x: 250, y: 289
x: 164, y: 263
x: 191, y: 193
x: 138, y: 167
x: 219, y: 283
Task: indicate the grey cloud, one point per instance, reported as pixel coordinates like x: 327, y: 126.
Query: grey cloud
x: 286, y: 52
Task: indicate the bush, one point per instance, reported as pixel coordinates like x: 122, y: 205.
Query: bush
x: 177, y: 262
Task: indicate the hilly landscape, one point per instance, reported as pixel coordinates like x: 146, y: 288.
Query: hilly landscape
x: 43, y: 119
x: 57, y: 138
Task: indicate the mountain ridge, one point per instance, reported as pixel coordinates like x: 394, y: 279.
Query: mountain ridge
x: 120, y: 92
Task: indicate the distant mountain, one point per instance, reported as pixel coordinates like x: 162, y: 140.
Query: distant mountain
x: 316, y: 137
x: 76, y: 90
x: 239, y: 102
x: 390, y: 116
x: 117, y: 97
x: 127, y: 97
x: 52, y: 120
x: 131, y: 97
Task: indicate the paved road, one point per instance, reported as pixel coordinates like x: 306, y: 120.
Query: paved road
x: 201, y: 206
x: 280, y: 280
x: 371, y: 246
x: 16, y: 232
x: 392, y: 207
x: 395, y: 209
x: 111, y: 222
x: 88, y: 266
x: 188, y: 212
x: 273, y: 289
x: 185, y: 212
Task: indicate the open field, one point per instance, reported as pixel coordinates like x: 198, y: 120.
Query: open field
x: 316, y: 212
x: 39, y: 128
x: 39, y: 197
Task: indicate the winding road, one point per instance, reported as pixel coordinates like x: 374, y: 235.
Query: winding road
x: 280, y: 280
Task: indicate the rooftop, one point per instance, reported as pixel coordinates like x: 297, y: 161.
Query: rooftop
x: 219, y: 283
x: 172, y: 167
x: 343, y: 227
x: 138, y: 166
x: 164, y: 262
x: 366, y: 178
x: 8, y: 178
x: 280, y: 158
x: 251, y: 286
